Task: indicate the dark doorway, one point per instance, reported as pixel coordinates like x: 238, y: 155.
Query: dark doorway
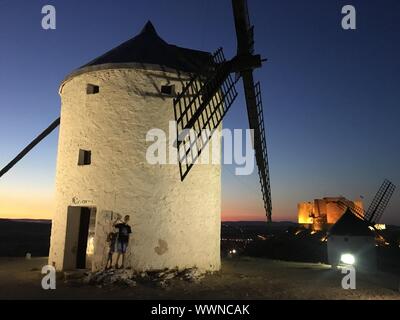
x: 83, y: 238
x: 79, y: 238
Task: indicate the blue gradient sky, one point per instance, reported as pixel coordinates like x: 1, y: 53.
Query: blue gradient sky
x: 331, y: 97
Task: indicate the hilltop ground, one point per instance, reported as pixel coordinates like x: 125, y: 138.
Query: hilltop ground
x: 240, y: 278
x: 256, y: 272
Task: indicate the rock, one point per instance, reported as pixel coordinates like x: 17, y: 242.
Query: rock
x: 126, y: 277
x: 170, y: 276
x: 193, y: 275
x: 126, y: 274
x: 162, y: 284
x: 130, y: 283
x: 110, y: 277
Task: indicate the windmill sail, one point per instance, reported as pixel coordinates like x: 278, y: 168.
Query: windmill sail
x: 200, y: 108
x: 256, y: 122
x: 30, y: 146
x: 358, y: 211
x: 377, y: 206
x: 380, y: 202
x: 245, y: 40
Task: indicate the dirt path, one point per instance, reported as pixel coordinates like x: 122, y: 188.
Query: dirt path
x: 241, y: 278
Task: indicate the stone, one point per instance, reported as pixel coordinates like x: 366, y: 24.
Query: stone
x: 170, y: 276
x: 193, y: 275
x: 130, y: 283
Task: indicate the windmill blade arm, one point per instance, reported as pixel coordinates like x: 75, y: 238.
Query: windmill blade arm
x: 256, y: 123
x: 244, y: 31
x: 30, y: 146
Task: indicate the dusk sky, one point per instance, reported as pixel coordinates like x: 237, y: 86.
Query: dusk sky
x: 331, y: 96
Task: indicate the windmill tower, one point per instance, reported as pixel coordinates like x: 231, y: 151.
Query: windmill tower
x: 108, y: 107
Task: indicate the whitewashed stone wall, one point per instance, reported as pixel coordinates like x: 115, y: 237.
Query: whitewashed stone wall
x: 175, y: 224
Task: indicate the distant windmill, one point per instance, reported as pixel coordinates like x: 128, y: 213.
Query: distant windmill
x: 205, y: 99
x: 352, y: 240
x: 377, y: 207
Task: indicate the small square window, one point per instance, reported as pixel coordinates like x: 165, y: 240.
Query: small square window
x: 92, y: 89
x: 168, y: 90
x: 85, y: 157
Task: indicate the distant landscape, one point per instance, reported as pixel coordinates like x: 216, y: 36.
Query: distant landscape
x: 21, y: 236
x: 284, y: 240
x: 18, y: 237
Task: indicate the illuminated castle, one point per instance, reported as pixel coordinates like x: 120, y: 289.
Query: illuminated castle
x: 320, y: 214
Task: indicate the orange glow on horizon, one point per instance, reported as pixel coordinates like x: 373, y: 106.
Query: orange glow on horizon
x: 241, y: 211
x: 40, y: 204
x: 242, y: 217
x: 226, y: 217
x: 32, y: 206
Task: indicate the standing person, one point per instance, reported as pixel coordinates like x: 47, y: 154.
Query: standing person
x: 124, y: 230
x: 111, y: 239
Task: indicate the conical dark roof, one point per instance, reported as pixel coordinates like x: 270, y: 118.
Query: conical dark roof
x: 148, y: 48
x: 350, y: 225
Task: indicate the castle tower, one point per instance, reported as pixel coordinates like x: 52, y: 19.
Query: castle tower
x: 108, y: 107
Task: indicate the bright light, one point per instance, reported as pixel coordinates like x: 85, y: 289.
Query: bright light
x: 347, y: 258
x: 90, y: 246
x: 234, y: 251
